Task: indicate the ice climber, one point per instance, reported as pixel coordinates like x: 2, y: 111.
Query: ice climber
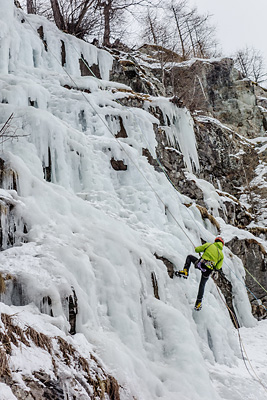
x: 211, y: 259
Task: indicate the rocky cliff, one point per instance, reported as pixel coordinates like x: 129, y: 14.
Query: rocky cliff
x: 230, y: 122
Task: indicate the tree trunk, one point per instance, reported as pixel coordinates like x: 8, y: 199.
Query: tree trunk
x: 179, y: 33
x: 31, y: 9
x: 86, y: 6
x: 242, y: 64
x: 191, y: 39
x: 152, y: 30
x: 107, y: 18
x: 58, y: 17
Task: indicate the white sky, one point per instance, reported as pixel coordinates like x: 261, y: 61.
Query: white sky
x: 238, y: 22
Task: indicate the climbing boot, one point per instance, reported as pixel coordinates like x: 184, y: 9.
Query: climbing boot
x: 198, y: 305
x: 183, y: 273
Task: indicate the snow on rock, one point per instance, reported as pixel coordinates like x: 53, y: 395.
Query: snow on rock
x: 211, y: 197
x: 94, y: 230
x: 179, y: 128
x: 36, y: 357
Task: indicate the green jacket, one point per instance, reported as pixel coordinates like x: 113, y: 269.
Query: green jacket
x: 212, y: 252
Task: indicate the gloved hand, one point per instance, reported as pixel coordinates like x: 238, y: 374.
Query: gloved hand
x: 215, y: 275
x: 221, y: 273
x: 218, y: 274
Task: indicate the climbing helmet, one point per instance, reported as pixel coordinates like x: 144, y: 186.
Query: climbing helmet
x: 219, y: 239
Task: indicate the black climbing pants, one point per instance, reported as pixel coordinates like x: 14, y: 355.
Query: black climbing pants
x: 205, y: 273
x: 190, y: 259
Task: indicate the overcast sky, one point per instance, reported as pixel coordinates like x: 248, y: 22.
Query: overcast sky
x: 238, y: 22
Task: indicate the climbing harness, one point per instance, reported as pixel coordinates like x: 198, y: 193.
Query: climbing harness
x: 206, y: 263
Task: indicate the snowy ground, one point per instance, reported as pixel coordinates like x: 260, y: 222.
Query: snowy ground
x: 246, y: 380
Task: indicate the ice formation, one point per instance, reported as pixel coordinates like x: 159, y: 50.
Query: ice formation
x: 95, y: 229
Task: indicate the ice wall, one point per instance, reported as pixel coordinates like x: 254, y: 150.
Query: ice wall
x: 97, y: 229
x: 33, y: 42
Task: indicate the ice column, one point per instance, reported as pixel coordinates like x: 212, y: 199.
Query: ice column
x: 6, y: 20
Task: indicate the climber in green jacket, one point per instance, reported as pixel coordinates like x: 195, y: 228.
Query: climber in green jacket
x: 211, y: 259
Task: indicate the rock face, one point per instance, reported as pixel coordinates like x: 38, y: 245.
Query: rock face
x: 217, y: 88
x: 213, y: 86
x: 226, y: 288
x: 228, y: 111
x: 224, y: 162
x: 128, y: 70
x: 224, y: 106
x: 254, y: 258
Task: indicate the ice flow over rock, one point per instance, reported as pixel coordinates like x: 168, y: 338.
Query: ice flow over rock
x: 94, y: 230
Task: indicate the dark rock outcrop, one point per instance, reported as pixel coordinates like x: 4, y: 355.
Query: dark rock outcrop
x: 73, y: 311
x: 155, y: 285
x: 169, y: 265
x: 226, y: 288
x: 8, y: 177
x: 118, y: 165
x: 254, y: 258
x: 127, y: 69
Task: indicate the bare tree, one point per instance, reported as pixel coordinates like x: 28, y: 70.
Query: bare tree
x: 108, y: 11
x: 112, y: 9
x: 194, y: 33
x: 84, y: 17
x: 183, y: 28
x: 8, y: 131
x: 77, y: 17
x: 190, y: 33
x: 181, y: 19
x: 157, y: 32
x: 205, y: 44
x: 251, y: 63
x: 151, y: 30
x: 31, y: 7
x: 58, y: 15
x: 155, y: 29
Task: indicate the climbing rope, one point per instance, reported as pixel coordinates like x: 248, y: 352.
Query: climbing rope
x: 253, y: 277
x: 255, y: 297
